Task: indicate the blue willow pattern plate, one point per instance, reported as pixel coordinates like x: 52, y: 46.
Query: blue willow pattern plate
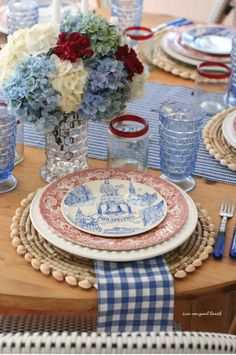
x: 210, y: 39
x: 113, y: 208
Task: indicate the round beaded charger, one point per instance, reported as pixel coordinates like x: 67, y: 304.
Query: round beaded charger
x: 163, y: 61
x: 78, y: 271
x: 216, y: 143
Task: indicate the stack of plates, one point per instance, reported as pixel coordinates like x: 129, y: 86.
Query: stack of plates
x: 113, y: 214
x: 229, y: 129
x: 195, y: 44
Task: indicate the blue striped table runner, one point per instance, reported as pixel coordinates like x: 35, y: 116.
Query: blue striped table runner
x: 155, y: 94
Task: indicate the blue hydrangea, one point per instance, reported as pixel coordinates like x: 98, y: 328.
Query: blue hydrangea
x: 107, y: 91
x: 30, y: 95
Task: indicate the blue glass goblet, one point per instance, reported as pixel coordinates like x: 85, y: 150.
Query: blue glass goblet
x: 21, y: 14
x: 7, y: 149
x: 180, y: 131
x: 129, y: 12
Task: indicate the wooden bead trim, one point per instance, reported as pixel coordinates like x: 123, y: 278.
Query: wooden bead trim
x: 78, y: 271
x: 215, y: 141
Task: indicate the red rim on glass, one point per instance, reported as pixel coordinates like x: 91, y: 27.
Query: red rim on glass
x: 130, y: 118
x: 143, y: 33
x: 214, y: 74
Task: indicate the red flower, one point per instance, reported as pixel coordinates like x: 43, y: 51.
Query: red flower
x: 131, y: 62
x: 73, y: 46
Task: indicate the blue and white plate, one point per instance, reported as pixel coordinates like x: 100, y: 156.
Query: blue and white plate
x: 114, y: 208
x: 209, y: 39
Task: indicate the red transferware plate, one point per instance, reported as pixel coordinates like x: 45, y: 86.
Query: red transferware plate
x: 52, y: 197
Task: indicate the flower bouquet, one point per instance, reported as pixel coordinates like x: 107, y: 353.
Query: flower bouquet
x: 57, y: 81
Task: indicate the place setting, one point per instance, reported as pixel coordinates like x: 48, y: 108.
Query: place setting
x: 181, y: 49
x: 215, y: 93
x: 118, y: 214
x: 180, y: 224
x: 92, y: 227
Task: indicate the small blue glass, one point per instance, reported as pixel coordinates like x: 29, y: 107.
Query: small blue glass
x: 180, y: 127
x: 21, y: 14
x: 7, y: 149
x: 129, y: 13
x: 231, y: 97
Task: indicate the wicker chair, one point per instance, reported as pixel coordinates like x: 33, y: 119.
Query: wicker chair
x: 53, y: 335
x: 220, y: 10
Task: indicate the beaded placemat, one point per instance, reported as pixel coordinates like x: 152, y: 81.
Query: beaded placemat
x: 216, y: 143
x: 78, y: 271
x: 163, y: 61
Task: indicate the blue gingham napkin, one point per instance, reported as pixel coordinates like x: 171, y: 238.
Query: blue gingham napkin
x: 134, y: 296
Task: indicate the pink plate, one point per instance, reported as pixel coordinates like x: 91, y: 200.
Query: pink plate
x: 174, y: 41
x: 51, y: 199
x: 234, y: 124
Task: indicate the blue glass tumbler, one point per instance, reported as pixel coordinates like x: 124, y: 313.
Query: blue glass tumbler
x: 180, y: 127
x: 21, y: 14
x: 129, y: 13
x: 19, y: 155
x: 231, y: 97
x: 7, y: 149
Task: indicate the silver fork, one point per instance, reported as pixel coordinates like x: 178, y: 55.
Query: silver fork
x: 226, y: 211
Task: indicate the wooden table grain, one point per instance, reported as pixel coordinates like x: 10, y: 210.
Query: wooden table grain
x: 205, y: 300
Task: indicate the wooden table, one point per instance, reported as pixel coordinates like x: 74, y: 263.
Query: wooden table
x: 210, y: 289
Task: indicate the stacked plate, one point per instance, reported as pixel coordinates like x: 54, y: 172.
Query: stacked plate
x: 229, y: 129
x: 195, y: 44
x: 113, y: 214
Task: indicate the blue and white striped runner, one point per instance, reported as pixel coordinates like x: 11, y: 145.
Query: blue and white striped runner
x: 155, y: 94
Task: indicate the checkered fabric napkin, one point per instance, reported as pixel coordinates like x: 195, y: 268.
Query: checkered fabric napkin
x: 134, y: 296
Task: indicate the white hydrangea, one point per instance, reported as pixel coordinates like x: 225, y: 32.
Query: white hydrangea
x: 12, y: 53
x: 70, y: 80
x: 40, y: 38
x: 24, y: 43
x: 138, y: 84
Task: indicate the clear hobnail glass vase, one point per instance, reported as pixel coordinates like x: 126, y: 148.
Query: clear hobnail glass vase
x: 65, y: 148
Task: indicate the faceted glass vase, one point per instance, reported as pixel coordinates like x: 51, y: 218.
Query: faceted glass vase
x: 65, y: 148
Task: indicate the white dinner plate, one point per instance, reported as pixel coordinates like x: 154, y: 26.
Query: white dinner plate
x: 173, y: 39
x: 209, y: 39
x: 180, y: 237
x: 228, y: 129
x: 184, y: 59
x: 113, y: 207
